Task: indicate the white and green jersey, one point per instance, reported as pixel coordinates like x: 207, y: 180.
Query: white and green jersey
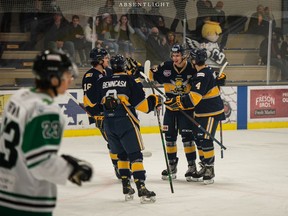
x: 30, y: 137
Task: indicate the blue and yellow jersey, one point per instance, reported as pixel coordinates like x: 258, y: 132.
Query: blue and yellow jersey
x: 128, y: 93
x: 89, y: 79
x: 174, y: 79
x: 204, y: 95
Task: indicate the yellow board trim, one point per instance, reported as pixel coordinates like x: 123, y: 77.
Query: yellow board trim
x: 155, y: 129
x: 262, y: 125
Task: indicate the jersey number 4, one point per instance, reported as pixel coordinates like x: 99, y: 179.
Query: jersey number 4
x: 11, y: 140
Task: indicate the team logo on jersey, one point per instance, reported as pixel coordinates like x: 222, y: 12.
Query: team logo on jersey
x: 167, y: 73
x: 88, y: 75
x: 180, y: 86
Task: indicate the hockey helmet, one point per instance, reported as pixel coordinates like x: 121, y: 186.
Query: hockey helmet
x: 97, y: 55
x: 199, y: 56
x: 118, y: 63
x: 52, y: 63
x: 177, y: 49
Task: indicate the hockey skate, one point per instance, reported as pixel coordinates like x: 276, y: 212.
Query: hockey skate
x: 173, y: 170
x: 191, y: 174
x: 195, y: 176
x: 208, y: 177
x: 145, y: 195
x: 128, y: 191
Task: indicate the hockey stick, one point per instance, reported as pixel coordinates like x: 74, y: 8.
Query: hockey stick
x: 184, y: 113
x: 222, y: 68
x: 145, y: 153
x: 220, y: 123
x: 147, y: 66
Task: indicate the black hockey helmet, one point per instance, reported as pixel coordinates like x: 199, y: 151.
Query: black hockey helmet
x: 52, y: 63
x: 97, y: 55
x: 177, y: 48
x: 118, y: 63
x: 199, y: 56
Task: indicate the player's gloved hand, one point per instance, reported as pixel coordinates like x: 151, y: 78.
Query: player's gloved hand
x: 82, y: 170
x: 220, y: 80
x: 154, y: 101
x: 174, y: 103
x: 157, y: 100
x: 154, y: 69
x: 99, y: 121
x: 133, y: 67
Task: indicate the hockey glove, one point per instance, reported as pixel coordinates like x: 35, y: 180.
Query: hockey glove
x: 99, y: 121
x: 82, y: 170
x: 133, y: 67
x: 156, y: 99
x: 174, y: 103
x: 220, y: 80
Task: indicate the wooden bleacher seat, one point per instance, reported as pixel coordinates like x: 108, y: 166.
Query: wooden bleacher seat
x: 19, y: 59
x: 251, y: 73
x: 14, y: 41
x: 242, y: 57
x: 244, y: 41
x: 24, y: 77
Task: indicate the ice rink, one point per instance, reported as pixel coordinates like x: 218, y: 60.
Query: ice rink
x: 252, y: 179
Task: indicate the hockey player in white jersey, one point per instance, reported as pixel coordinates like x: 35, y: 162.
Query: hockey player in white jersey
x: 30, y: 137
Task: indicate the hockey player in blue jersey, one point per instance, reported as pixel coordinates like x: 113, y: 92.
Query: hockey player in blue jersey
x: 175, y: 74
x: 99, y: 62
x: 30, y: 138
x: 204, y: 97
x: 120, y: 95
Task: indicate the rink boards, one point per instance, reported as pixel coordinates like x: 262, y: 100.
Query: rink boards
x: 245, y: 108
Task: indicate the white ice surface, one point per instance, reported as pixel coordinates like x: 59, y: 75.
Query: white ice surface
x: 251, y: 180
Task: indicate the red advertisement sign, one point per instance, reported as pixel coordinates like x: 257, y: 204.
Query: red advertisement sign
x: 268, y: 103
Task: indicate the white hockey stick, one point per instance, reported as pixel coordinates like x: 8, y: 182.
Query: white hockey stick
x: 222, y: 68
x: 220, y: 122
x: 147, y: 66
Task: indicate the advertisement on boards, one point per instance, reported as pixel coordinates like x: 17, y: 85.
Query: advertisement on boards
x: 268, y: 102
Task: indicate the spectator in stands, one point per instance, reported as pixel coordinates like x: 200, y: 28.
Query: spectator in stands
x: 124, y: 30
x: 157, y: 49
x: 256, y: 23
x: 180, y: 6
x: 157, y: 20
x: 267, y: 17
x: 41, y: 19
x: 276, y: 58
x: 171, y: 39
x: 91, y: 38
x: 77, y: 37
x: 220, y: 17
x: 163, y: 30
x: 108, y: 8
x: 57, y: 36
x: 107, y: 34
x: 154, y: 15
x: 139, y: 20
x: 204, y: 10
